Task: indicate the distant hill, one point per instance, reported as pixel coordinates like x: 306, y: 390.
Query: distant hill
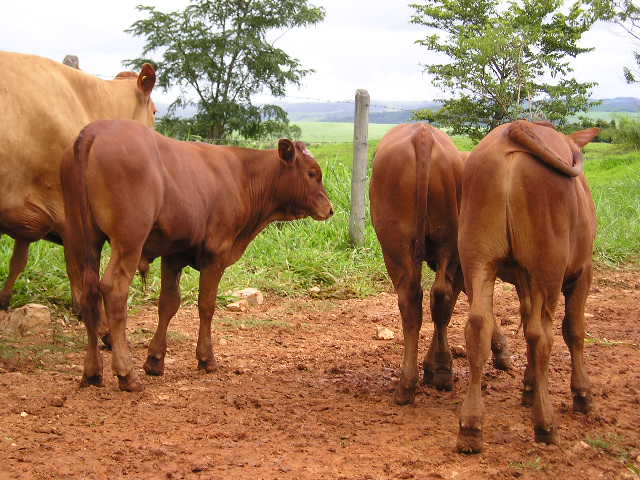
x: 618, y: 104
x: 389, y: 111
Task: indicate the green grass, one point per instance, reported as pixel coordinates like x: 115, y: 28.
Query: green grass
x: 289, y: 258
x: 614, y: 178
x: 337, y: 132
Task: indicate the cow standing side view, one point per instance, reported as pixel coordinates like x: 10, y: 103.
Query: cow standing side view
x: 527, y: 217
x: 44, y: 105
x: 415, y: 201
x: 190, y: 203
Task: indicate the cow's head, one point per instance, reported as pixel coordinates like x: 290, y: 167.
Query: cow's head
x: 299, y: 190
x: 145, y: 110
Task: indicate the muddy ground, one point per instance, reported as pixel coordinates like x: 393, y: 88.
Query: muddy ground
x: 303, y: 391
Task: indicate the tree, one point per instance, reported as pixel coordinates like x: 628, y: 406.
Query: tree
x: 625, y: 13
x: 220, y: 52
x: 506, y: 60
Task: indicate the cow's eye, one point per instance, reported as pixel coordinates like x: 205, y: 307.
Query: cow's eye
x: 312, y: 174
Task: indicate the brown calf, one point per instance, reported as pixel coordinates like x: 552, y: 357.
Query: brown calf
x: 527, y: 217
x: 417, y: 220
x: 189, y: 203
x: 45, y: 104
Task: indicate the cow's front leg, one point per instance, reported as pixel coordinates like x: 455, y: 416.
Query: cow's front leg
x: 18, y: 263
x: 167, y: 307
x: 210, y: 274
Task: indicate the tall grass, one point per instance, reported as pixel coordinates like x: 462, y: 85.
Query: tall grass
x: 614, y: 178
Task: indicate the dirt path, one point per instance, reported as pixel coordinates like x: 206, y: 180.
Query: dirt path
x: 304, y: 392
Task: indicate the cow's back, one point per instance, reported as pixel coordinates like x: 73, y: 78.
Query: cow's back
x: 393, y: 183
x: 45, y: 104
x: 516, y: 208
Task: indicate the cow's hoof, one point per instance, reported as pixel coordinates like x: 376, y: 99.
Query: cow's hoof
x: 129, y: 383
x: 208, y: 366
x: 4, y: 301
x: 440, y: 378
x: 502, y: 361
x: 544, y: 435
x: 469, y: 440
x: 582, y: 402
x: 106, y: 341
x: 91, y: 381
x: 154, y: 366
x: 404, y: 396
x: 527, y: 398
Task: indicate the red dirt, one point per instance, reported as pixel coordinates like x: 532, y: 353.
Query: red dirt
x: 303, y: 391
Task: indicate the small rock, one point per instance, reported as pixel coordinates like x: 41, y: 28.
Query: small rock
x: 25, y: 320
x: 57, y: 401
x: 458, y: 351
x: 384, y: 333
x: 222, y: 341
x: 253, y: 296
x: 588, y: 315
x: 239, y: 306
x: 24, y: 414
x: 314, y: 290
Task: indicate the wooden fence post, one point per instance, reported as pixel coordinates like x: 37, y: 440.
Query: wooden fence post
x: 359, y: 172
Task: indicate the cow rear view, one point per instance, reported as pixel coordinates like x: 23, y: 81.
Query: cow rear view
x: 527, y: 217
x: 415, y: 200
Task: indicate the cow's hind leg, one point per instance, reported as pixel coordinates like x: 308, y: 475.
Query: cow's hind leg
x: 115, y: 290
x: 210, y: 274
x: 167, y: 307
x: 478, y: 333
x: 90, y: 303
x: 18, y: 263
x: 537, y: 321
x: 438, y: 365
x: 573, y: 333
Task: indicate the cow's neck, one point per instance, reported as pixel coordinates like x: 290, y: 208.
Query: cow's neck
x: 262, y: 171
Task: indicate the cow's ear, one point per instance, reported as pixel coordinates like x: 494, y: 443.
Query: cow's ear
x: 584, y: 136
x: 286, y: 150
x: 147, y: 79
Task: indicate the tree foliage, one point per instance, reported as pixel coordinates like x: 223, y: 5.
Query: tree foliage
x: 507, y: 60
x: 626, y: 13
x: 219, y: 52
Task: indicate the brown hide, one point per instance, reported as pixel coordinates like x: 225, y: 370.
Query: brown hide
x: 417, y: 221
x: 527, y: 217
x: 189, y: 203
x: 45, y: 104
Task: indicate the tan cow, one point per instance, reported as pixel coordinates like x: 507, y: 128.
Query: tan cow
x: 43, y: 106
x: 417, y: 221
x: 189, y: 203
x: 527, y: 217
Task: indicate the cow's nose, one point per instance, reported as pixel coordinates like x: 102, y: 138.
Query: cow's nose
x: 331, y: 212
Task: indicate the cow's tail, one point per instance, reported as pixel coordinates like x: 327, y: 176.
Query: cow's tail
x: 79, y: 235
x: 521, y: 133
x: 423, y: 144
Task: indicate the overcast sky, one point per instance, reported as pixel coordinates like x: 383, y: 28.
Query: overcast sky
x: 361, y: 44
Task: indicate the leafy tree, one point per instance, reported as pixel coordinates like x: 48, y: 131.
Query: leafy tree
x: 507, y: 60
x: 219, y: 51
x: 625, y: 13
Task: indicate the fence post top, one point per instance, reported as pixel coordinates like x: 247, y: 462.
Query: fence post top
x: 361, y: 92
